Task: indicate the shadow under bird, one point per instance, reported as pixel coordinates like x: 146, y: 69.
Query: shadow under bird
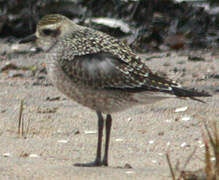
x: 99, y: 72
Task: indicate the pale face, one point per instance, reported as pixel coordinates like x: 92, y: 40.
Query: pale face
x: 50, y: 30
x: 47, y: 36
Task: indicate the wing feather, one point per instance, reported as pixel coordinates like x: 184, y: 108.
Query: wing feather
x: 100, y: 61
x: 103, y: 70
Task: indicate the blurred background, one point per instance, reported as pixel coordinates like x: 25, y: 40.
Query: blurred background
x: 146, y: 25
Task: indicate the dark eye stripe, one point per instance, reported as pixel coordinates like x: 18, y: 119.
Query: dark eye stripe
x: 48, y: 32
x: 51, y: 32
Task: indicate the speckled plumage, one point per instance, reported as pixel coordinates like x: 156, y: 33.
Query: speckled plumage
x: 99, y: 71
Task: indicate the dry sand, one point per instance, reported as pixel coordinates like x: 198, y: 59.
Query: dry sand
x: 62, y: 133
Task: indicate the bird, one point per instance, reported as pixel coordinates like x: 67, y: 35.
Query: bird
x: 100, y: 72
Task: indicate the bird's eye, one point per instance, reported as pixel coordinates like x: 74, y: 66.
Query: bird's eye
x: 47, y: 32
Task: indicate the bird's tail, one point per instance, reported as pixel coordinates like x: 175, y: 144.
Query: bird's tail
x: 190, y: 93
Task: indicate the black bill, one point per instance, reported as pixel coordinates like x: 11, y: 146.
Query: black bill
x: 30, y: 38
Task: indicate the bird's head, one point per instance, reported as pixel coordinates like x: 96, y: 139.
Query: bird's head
x: 50, y: 29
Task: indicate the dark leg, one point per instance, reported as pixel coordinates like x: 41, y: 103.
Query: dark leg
x: 100, y: 134
x: 97, y: 161
x: 108, y: 128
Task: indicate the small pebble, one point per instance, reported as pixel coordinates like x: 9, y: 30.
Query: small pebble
x: 62, y: 141
x: 15, y: 47
x: 168, y: 120
x: 182, y: 109
x: 57, y: 98
x: 3, y: 110
x: 47, y: 110
x: 151, y: 142
x: 34, y: 156
x: 186, y: 118
x: 154, y: 161
x: 129, y: 119
x: 59, y: 131
x: 13, y: 74
x: 161, y: 133
x: 9, y: 66
x: 7, y: 155
x: 90, y: 131
x: 76, y: 132
x: 119, y: 140
x: 176, y: 119
x: 200, y: 142
x: 202, y: 145
x: 183, y: 144
x: 213, y: 158
x: 128, y: 166
x: 196, y: 58
x: 33, y: 49
x: 129, y: 172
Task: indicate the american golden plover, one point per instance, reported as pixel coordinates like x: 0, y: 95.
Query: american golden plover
x: 99, y: 72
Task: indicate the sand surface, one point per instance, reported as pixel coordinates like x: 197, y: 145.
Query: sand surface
x: 60, y: 132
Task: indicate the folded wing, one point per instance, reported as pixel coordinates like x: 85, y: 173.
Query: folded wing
x: 104, y: 71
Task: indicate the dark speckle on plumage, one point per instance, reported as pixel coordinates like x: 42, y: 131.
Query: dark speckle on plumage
x: 100, y: 72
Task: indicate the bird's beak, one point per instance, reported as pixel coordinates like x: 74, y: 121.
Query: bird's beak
x: 30, y: 38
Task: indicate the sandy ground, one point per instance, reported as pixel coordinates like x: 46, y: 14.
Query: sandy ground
x: 61, y: 132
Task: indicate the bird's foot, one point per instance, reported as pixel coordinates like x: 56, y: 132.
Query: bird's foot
x: 92, y: 164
